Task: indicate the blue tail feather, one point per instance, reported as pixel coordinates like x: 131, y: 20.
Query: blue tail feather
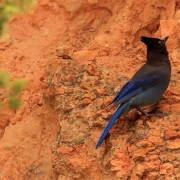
x: 116, y: 115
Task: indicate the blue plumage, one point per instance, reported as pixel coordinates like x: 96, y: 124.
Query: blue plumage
x: 146, y: 86
x: 135, y: 87
x: 116, y: 115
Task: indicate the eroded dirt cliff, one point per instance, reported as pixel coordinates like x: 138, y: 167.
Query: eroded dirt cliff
x: 76, y: 55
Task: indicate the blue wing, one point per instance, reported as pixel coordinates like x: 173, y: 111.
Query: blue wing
x: 134, y: 87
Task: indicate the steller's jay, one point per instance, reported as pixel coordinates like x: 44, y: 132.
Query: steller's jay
x: 146, y: 86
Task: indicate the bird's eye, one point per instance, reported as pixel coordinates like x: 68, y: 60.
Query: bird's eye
x: 161, y: 43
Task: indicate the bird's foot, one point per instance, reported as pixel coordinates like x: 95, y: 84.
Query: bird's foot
x: 157, y: 115
x: 148, y: 114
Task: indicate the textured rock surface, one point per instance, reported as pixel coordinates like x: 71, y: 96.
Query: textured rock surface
x: 76, y: 55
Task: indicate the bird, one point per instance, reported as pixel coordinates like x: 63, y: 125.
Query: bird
x: 146, y: 86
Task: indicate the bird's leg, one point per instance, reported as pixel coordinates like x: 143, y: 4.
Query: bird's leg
x: 142, y: 111
x: 147, y: 114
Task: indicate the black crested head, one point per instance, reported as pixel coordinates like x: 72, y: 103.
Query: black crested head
x: 155, y: 45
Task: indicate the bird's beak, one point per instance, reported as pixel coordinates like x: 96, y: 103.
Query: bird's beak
x: 165, y: 39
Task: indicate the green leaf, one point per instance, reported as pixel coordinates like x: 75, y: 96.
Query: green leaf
x: 17, y: 86
x: 8, y: 8
x: 14, y: 103
x: 4, y: 79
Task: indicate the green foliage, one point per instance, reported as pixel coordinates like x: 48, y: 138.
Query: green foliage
x: 8, y: 8
x: 4, y: 78
x: 17, y: 86
x: 14, y: 103
x: 12, y: 91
